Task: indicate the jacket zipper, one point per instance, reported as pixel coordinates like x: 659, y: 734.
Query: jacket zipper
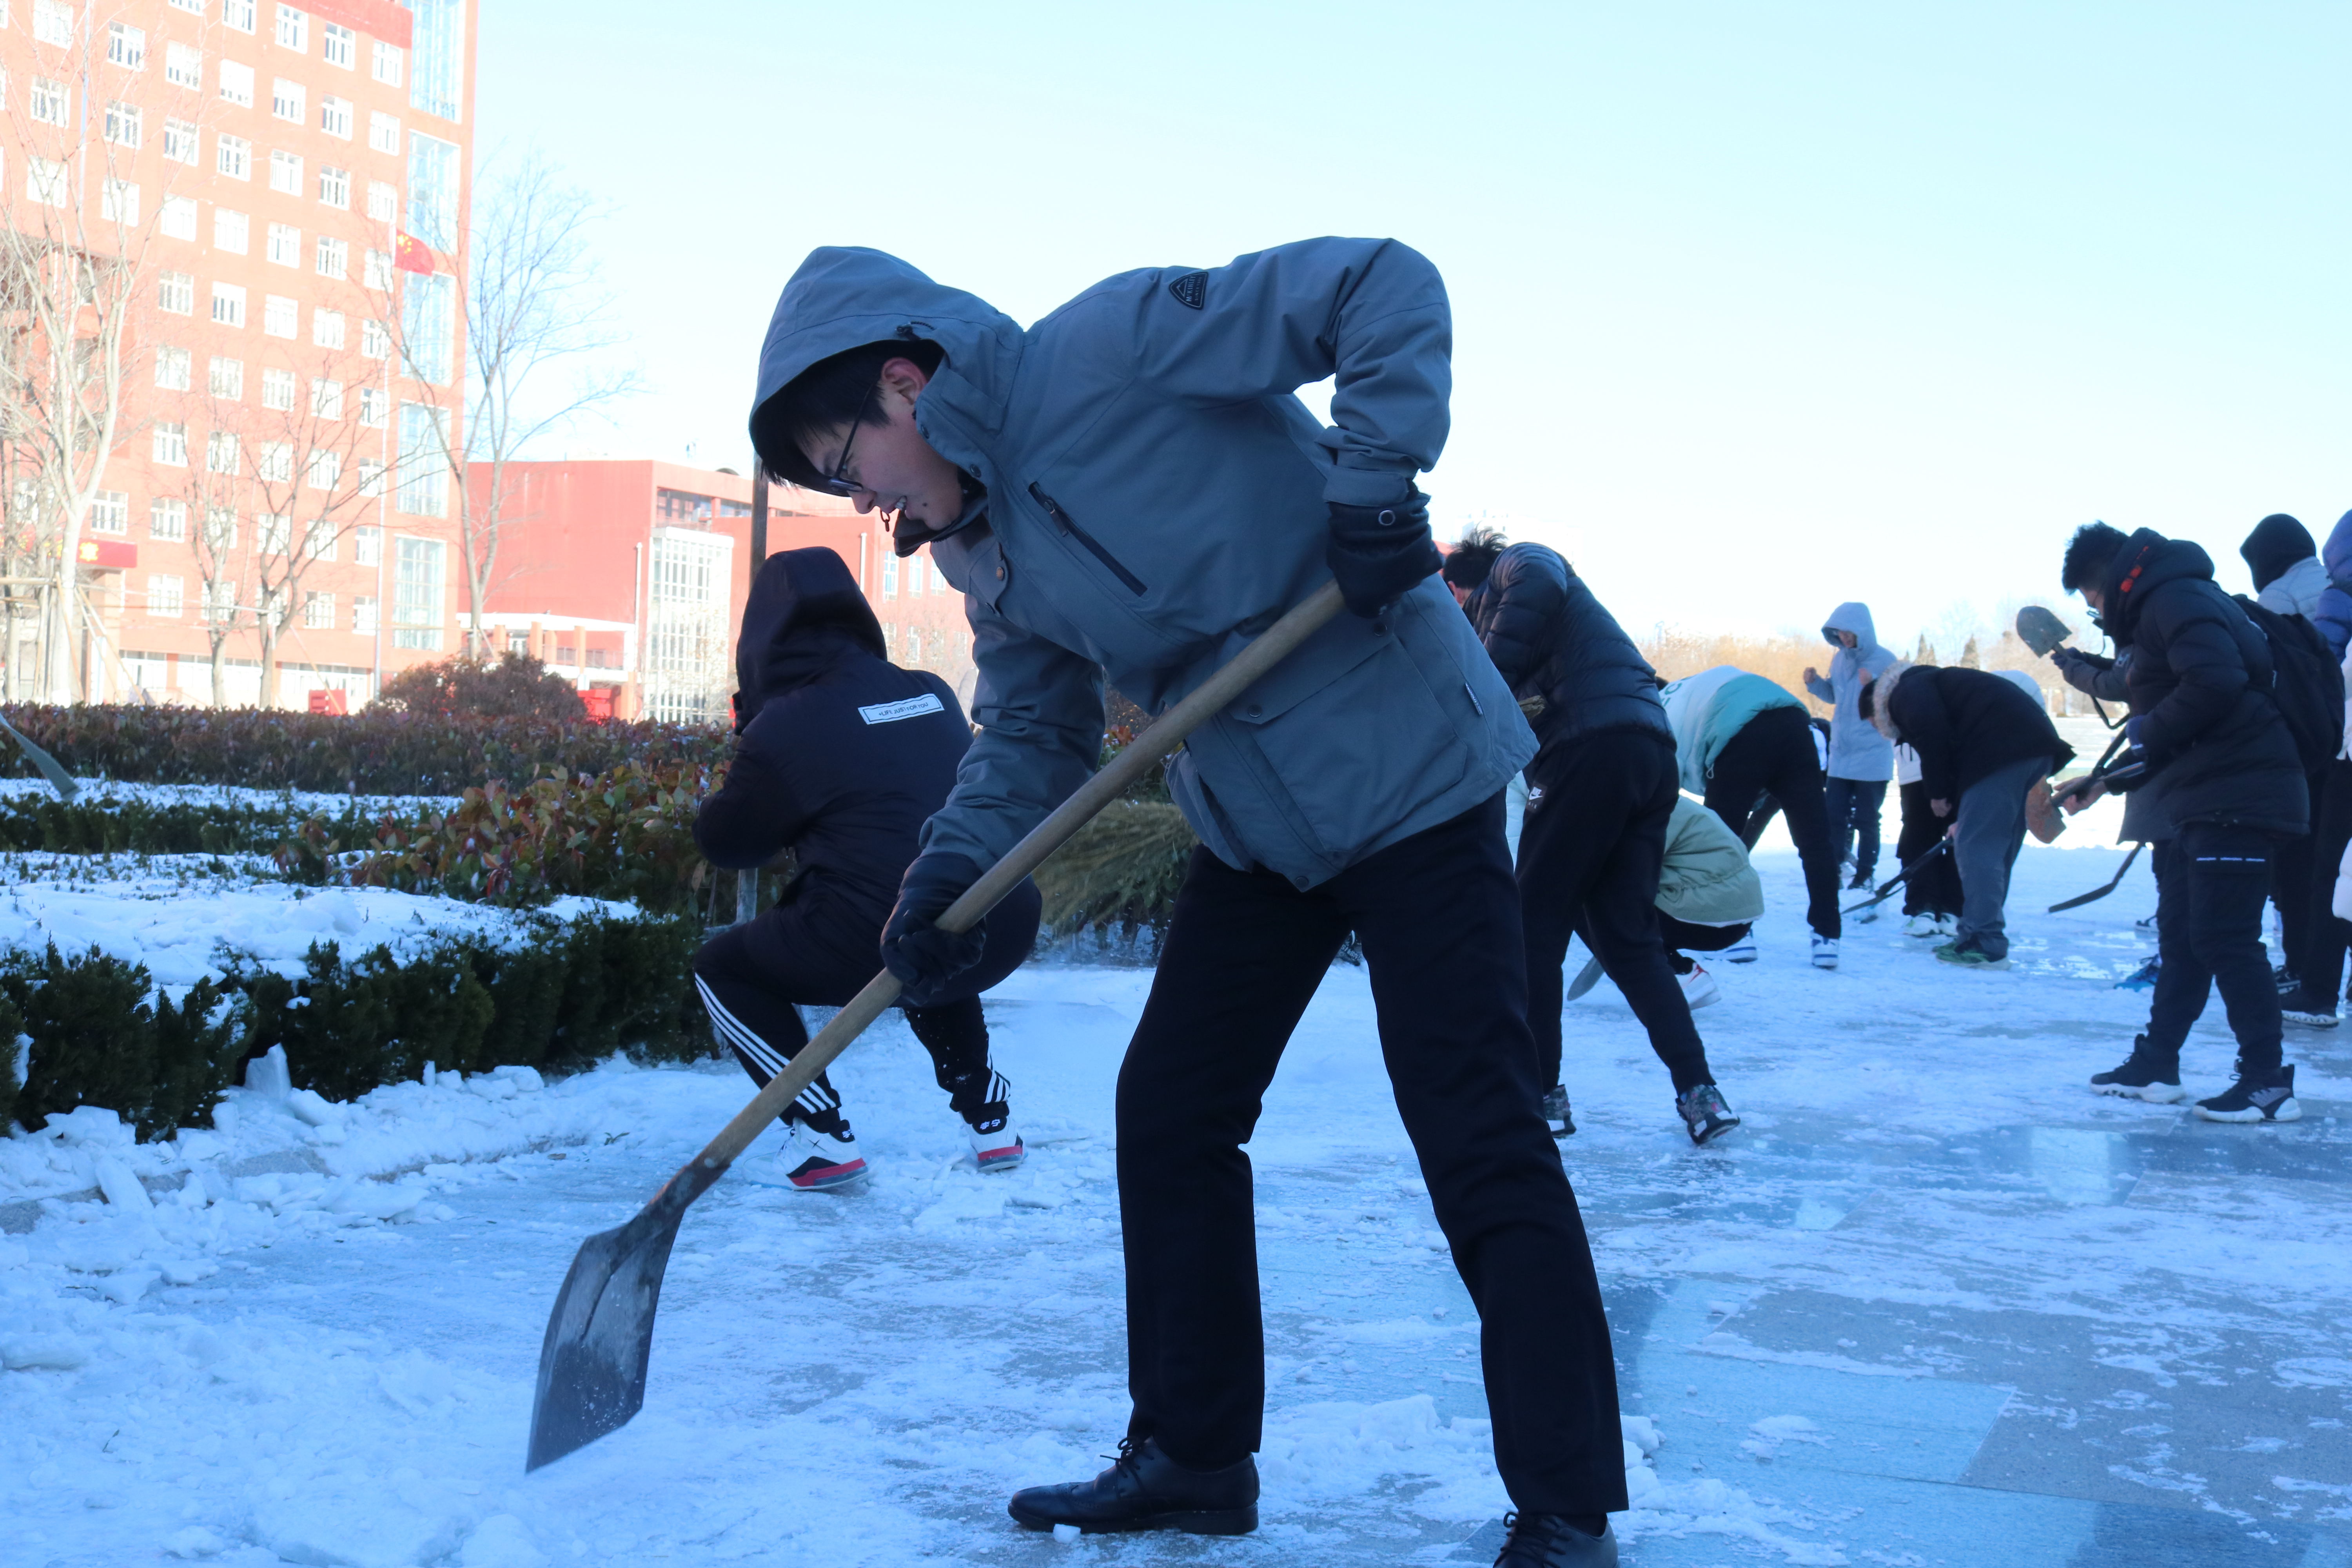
x: 1062, y: 521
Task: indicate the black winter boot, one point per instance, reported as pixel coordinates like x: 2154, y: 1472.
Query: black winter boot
x: 2143, y: 1075
x: 1550, y: 1540
x: 1146, y: 1490
x: 2255, y: 1097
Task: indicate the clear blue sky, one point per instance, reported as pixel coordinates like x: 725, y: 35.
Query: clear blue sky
x: 1757, y: 308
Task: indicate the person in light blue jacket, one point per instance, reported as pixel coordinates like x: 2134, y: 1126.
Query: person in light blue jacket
x: 1130, y: 490
x: 1860, y: 760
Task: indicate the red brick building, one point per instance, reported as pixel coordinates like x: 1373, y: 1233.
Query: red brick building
x: 630, y: 576
x: 259, y: 165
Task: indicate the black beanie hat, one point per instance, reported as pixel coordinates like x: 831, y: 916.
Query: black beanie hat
x: 2277, y: 543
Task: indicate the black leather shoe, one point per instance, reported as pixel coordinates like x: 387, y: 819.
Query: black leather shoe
x: 1146, y: 1490
x: 1547, y: 1541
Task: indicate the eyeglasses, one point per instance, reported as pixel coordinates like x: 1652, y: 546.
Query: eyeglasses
x: 836, y: 482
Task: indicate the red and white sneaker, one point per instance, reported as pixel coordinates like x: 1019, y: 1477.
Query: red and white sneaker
x: 995, y: 1146
x: 815, y: 1161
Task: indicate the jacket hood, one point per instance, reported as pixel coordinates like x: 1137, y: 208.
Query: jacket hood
x: 2338, y: 556
x: 1881, y: 698
x: 2147, y: 562
x: 1852, y: 616
x: 2277, y: 543
x: 804, y: 615
x: 845, y: 296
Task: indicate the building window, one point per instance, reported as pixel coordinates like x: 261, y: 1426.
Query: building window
x: 293, y: 29
x: 938, y: 580
x: 326, y: 468
x: 374, y: 403
x: 165, y: 595
x: 417, y: 573
x: 327, y: 399
x: 334, y: 260
x: 367, y: 546
x: 233, y: 156
x: 423, y: 460
x: 384, y: 132
x: 45, y: 182
x: 236, y: 83
x: 734, y: 509
x: 284, y: 245
x: 175, y: 369
x: 180, y: 142
x: 318, y: 611
x: 53, y: 22
x: 231, y: 231
x: 52, y: 102
x: 167, y: 519
x: 286, y: 101
x: 383, y: 201
x: 184, y: 67
x: 277, y: 389
x: 220, y: 529
x: 118, y: 202
x: 437, y: 38
x: 238, y: 14
x: 286, y: 173
x: 109, y: 512
x: 178, y: 220
x: 228, y: 304
x: 335, y: 117
x: 273, y: 535
x: 375, y: 342
x: 428, y: 325
x: 389, y: 63
x: 335, y: 187
x: 197, y: 7
x: 227, y: 379
x: 371, y: 478
x: 125, y: 124
x: 281, y: 317
x: 432, y: 191
x: 339, y: 45
x: 221, y: 453
x: 176, y: 293
x: 326, y: 329
x: 682, y: 508
x: 685, y: 633
x: 890, y: 576
x: 364, y: 615
x: 378, y: 275
x: 318, y: 540
x: 126, y: 46
x: 914, y: 575
x: 171, y: 444
x: 220, y: 603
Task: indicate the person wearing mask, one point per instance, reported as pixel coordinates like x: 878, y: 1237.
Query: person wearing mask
x: 1983, y: 744
x: 2223, y: 786
x: 1859, y: 757
x: 840, y: 756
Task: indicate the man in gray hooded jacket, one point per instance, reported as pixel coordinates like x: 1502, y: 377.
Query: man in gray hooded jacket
x: 1861, y: 759
x: 1130, y: 490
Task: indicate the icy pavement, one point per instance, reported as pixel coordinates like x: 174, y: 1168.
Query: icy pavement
x: 1935, y: 1304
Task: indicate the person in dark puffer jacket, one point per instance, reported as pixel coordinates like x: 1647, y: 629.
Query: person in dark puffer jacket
x: 841, y: 756
x: 1600, y: 796
x: 2224, y: 787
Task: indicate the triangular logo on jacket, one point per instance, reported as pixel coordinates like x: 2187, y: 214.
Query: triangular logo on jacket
x: 1191, y: 290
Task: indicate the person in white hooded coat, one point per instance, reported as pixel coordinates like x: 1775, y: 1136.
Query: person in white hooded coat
x: 1860, y: 759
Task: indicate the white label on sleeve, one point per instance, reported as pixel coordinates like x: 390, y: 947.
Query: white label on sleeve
x: 890, y: 712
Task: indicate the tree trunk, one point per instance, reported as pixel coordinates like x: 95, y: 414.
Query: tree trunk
x: 65, y: 659
x: 269, y: 697
x: 220, y: 672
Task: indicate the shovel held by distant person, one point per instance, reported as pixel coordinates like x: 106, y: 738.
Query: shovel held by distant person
x: 592, y: 1366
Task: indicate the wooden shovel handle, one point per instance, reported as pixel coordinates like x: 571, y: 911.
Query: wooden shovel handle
x: 1164, y: 736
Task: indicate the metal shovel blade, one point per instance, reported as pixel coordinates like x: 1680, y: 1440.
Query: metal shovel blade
x: 2040, y: 630
x: 592, y: 1366
x: 1586, y: 979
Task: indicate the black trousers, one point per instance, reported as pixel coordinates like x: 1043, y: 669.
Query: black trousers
x: 755, y: 978
x: 1439, y: 920
x: 2294, y: 869
x: 2321, y: 968
x: 1773, y: 755
x: 1590, y: 848
x: 1853, y: 806
x: 2211, y: 884
x: 1934, y: 888
x: 1682, y: 937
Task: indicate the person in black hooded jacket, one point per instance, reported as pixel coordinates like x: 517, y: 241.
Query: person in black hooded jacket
x: 2224, y: 787
x: 841, y: 756
x: 1600, y: 796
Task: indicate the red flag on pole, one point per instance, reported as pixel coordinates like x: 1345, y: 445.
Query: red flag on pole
x: 411, y: 254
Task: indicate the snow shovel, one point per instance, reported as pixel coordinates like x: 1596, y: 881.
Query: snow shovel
x: 2040, y: 630
x: 1887, y: 889
x: 592, y: 1366
x: 59, y: 780
x: 1586, y: 979
x: 2095, y: 894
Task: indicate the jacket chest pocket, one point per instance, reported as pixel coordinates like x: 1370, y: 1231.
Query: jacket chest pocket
x: 1073, y: 532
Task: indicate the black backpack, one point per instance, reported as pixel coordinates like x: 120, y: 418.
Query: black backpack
x: 2308, y: 685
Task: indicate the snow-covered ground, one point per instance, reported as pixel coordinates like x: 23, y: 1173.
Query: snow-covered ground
x: 1934, y: 1303
x: 297, y: 803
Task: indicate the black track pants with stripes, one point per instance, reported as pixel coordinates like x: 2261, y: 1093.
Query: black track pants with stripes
x: 755, y: 978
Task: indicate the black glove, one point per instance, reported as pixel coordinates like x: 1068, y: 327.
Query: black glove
x: 1376, y: 553
x: 2077, y: 669
x: 919, y: 954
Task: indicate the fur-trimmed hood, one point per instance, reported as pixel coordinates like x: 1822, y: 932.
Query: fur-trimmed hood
x: 1881, y: 698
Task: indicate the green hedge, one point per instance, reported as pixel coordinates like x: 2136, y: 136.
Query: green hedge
x: 102, y: 1035
x: 375, y: 752
x: 87, y: 827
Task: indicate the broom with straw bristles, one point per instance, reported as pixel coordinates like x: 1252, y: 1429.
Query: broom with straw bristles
x: 1120, y: 869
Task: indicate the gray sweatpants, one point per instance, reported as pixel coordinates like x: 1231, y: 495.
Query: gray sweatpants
x: 1992, y: 831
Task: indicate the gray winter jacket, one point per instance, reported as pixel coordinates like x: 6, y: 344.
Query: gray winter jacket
x: 1856, y: 751
x: 1155, y: 499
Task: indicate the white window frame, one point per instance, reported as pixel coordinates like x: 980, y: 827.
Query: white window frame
x: 175, y: 368
x: 285, y: 171
x: 178, y: 218
x: 126, y: 46
x: 390, y: 65
x: 50, y: 102
x: 228, y: 304
x: 183, y: 66
x: 335, y: 117
x: 225, y: 378
x: 232, y: 231
x: 289, y: 101
x: 53, y: 22
x: 327, y: 329
x: 335, y: 187
x: 118, y: 202
x: 339, y: 45
x: 182, y: 143
x: 126, y: 124
x: 233, y: 156
x: 279, y: 388
x: 170, y: 445
x: 384, y: 132
x: 239, y: 13
x: 332, y: 257
x: 224, y: 453
x: 176, y: 293
x: 236, y: 84
x: 284, y: 245
x: 109, y: 512
x: 167, y: 518
x: 326, y: 399
x: 375, y: 407
x: 317, y: 609
x: 281, y: 317
x: 47, y: 182
x: 293, y: 31
x: 375, y: 342
x: 166, y: 596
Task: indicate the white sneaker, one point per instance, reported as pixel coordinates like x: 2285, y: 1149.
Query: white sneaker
x: 814, y: 1162
x: 1742, y: 952
x: 1865, y: 915
x: 1924, y: 925
x: 1699, y: 988
x: 1824, y: 952
x: 995, y: 1146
